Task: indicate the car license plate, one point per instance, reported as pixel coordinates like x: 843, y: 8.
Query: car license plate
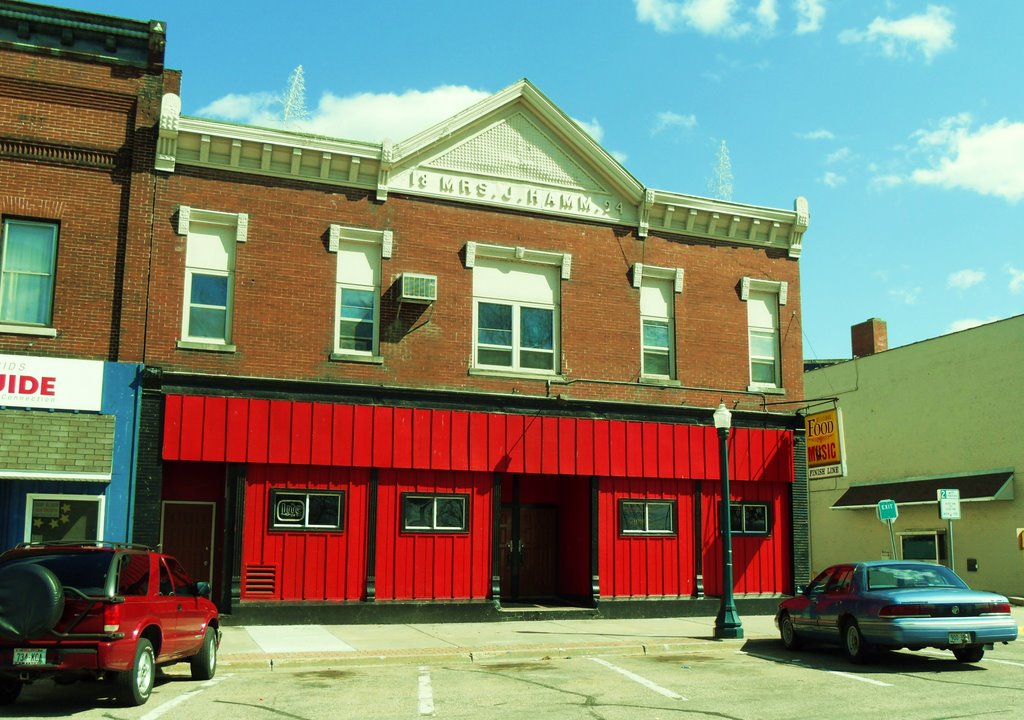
x: 959, y: 638
x: 29, y: 657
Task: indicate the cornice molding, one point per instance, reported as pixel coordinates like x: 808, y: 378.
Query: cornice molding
x: 594, y: 186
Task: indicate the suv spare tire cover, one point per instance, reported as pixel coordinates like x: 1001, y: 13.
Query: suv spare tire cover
x: 31, y: 601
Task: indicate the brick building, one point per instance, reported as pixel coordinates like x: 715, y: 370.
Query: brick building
x: 453, y: 374
x: 79, y: 96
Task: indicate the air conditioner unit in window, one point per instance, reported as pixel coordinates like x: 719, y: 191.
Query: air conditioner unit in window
x: 419, y: 288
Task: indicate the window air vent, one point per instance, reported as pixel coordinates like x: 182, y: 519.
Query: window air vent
x: 259, y: 581
x: 419, y: 288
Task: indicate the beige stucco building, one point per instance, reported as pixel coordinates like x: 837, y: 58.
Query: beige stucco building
x: 944, y: 413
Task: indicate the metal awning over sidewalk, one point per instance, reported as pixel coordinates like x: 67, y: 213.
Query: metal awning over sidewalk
x: 993, y: 485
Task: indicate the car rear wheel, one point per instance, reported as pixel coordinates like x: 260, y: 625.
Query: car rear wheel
x: 970, y: 654
x: 854, y: 646
x: 204, y: 663
x: 9, y: 691
x: 135, y: 685
x: 788, y: 633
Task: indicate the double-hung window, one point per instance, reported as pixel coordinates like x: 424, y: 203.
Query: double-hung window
x: 764, y: 299
x: 657, y: 319
x: 516, y: 308
x: 357, y: 291
x: 209, y: 275
x: 28, y: 260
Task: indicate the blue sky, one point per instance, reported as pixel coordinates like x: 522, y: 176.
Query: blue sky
x: 901, y: 121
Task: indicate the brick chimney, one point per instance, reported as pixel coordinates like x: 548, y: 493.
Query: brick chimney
x: 869, y: 337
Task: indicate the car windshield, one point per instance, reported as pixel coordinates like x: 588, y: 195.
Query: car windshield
x: 84, y: 571
x: 889, y: 577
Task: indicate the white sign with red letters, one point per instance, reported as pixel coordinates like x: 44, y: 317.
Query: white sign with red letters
x: 51, y: 383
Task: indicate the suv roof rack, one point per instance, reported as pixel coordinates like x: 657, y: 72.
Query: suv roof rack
x: 85, y: 543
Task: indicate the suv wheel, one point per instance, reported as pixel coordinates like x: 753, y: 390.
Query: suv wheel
x: 135, y: 685
x: 204, y: 663
x: 9, y: 691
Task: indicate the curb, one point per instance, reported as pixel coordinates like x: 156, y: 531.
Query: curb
x: 407, y: 656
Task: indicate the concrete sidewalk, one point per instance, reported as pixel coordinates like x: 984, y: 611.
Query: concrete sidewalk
x: 264, y: 645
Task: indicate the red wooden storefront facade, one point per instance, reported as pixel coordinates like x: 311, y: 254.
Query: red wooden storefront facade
x: 548, y: 488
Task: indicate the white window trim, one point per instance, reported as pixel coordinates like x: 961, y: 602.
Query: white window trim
x: 239, y: 221
x: 780, y: 289
x: 519, y: 253
x: 100, y: 511
x: 384, y: 240
x: 654, y: 272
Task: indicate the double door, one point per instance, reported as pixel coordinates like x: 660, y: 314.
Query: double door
x: 529, y: 551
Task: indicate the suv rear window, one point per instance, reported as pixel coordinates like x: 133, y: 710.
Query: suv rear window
x: 84, y: 571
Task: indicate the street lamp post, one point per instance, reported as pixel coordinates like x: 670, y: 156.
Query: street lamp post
x: 727, y: 622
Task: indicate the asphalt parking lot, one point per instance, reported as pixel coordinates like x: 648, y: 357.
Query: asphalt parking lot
x: 752, y: 678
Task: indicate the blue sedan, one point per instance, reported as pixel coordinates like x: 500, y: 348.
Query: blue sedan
x: 895, y: 604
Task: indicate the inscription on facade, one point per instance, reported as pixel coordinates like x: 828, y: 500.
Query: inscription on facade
x: 521, y: 195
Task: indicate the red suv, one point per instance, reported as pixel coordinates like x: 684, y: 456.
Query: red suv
x: 71, y: 611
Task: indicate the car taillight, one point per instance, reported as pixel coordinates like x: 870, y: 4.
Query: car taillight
x: 908, y: 610
x: 994, y: 609
x: 111, y: 617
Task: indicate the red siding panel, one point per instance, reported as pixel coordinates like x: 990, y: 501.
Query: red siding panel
x: 515, y: 442
x: 322, y: 438
x: 441, y: 440
x: 172, y: 427
x: 401, y: 446
x: 478, y: 433
x: 383, y: 436
x: 192, y: 409
x: 302, y: 433
x: 343, y: 435
x: 584, y: 447
x: 549, y: 445
x: 214, y: 428
x: 238, y: 430
x: 280, y: 431
x: 460, y: 441
x: 362, y: 436
x: 566, y: 446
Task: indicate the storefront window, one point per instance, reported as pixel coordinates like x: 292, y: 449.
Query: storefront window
x: 52, y: 518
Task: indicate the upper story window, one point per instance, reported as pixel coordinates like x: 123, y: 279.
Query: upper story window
x: 657, y: 319
x: 516, y: 308
x: 209, y: 275
x: 28, y: 259
x: 764, y: 298
x: 357, y: 291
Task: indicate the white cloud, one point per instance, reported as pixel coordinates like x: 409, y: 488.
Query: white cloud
x: 988, y: 161
x: 592, y: 128
x: 838, y: 156
x: 669, y: 120
x: 886, y: 182
x: 820, y: 134
x: 810, y: 15
x: 963, y: 279
x: 906, y: 295
x: 967, y: 324
x: 1016, y: 280
x: 929, y: 33
x: 833, y: 180
x: 370, y: 117
x: 710, y: 17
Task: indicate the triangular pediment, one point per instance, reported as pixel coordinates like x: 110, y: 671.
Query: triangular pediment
x: 516, y: 149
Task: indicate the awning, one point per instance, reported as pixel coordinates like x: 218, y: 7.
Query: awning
x: 993, y: 485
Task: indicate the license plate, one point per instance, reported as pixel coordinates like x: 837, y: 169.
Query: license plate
x: 29, y: 657
x: 959, y: 638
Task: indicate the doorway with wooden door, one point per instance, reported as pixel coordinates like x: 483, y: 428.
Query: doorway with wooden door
x: 529, y: 552
x: 187, y: 532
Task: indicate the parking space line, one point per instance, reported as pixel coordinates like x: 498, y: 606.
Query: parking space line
x: 426, y: 692
x: 1004, y: 662
x: 861, y: 678
x: 650, y: 685
x: 166, y: 707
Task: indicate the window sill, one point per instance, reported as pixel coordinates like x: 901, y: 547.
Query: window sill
x: 658, y: 381
x: 766, y: 389
x: 28, y: 330
x: 207, y: 347
x: 364, y: 359
x: 512, y: 374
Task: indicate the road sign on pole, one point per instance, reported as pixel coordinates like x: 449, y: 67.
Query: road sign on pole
x: 949, y: 510
x: 887, y: 513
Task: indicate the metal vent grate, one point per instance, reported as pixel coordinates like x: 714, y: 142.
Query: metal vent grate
x: 260, y: 580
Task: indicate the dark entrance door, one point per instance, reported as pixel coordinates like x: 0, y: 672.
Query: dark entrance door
x: 187, y: 534
x: 529, y: 551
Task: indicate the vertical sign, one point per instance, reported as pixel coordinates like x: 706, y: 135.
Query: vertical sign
x: 825, y: 453
x: 887, y: 513
x: 949, y: 510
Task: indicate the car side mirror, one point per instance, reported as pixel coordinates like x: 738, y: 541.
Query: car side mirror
x: 801, y: 589
x: 203, y: 589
